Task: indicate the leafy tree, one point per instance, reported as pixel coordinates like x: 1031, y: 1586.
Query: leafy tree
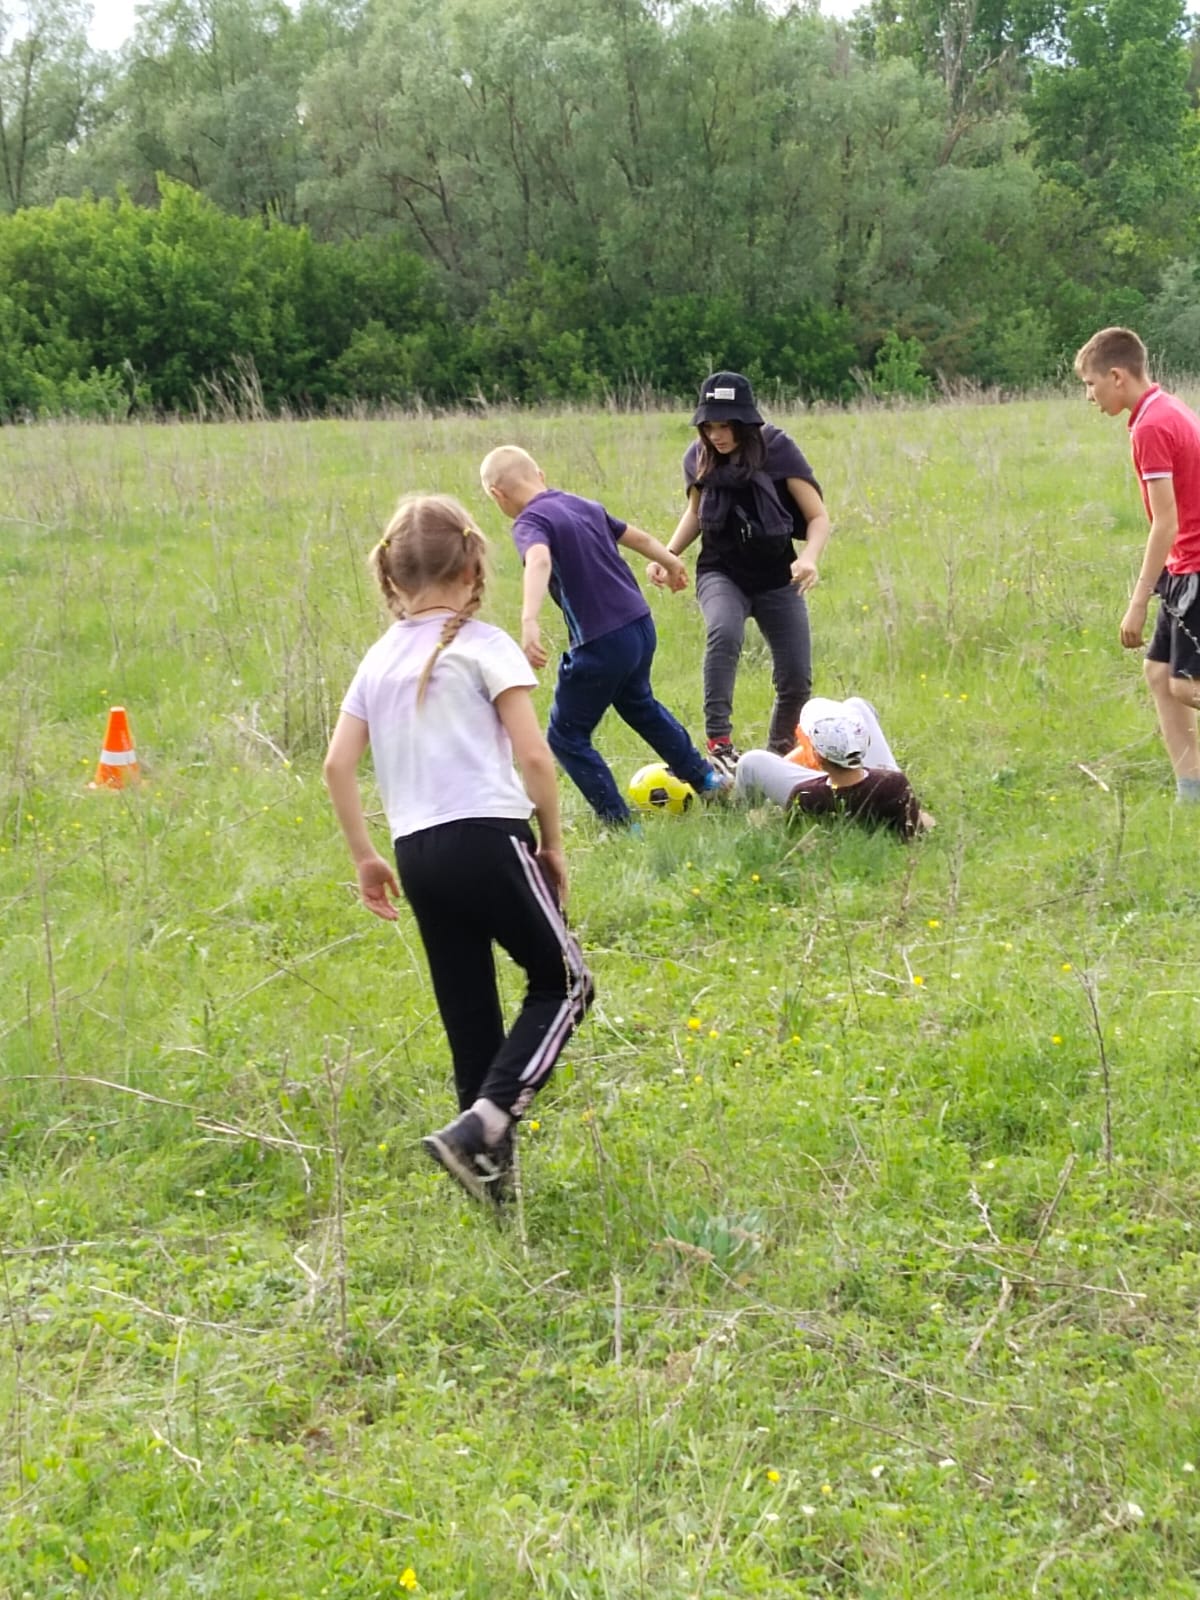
x: 1112, y: 121
x: 49, y: 89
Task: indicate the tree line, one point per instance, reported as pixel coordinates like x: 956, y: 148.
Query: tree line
x: 440, y: 199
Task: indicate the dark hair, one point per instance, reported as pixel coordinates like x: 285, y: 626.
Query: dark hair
x: 749, y: 449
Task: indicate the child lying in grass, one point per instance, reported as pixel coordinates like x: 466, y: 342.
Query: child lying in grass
x: 855, y: 771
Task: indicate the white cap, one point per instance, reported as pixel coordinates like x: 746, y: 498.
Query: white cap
x: 840, y: 738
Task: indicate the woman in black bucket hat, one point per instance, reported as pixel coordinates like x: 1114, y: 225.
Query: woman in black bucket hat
x: 750, y: 496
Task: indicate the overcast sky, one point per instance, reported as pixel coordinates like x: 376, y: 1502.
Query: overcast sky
x: 112, y: 20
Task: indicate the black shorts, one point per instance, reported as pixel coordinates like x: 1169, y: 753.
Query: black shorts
x: 1176, y: 637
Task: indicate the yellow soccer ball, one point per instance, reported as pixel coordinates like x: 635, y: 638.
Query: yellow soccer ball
x: 656, y: 788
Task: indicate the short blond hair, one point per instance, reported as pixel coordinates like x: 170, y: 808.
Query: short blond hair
x: 1112, y: 347
x: 507, y: 465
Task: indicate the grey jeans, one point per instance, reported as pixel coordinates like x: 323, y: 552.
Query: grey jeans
x: 782, y: 618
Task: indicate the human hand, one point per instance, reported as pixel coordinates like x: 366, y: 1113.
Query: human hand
x: 804, y: 573
x: 677, y: 575
x: 531, y: 643
x: 376, y: 877
x: 657, y: 574
x: 1133, y: 624
x: 554, y: 869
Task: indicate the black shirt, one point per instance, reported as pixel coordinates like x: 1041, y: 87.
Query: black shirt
x: 753, y: 562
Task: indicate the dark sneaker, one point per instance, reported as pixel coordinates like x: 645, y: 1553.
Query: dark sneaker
x: 501, y: 1191
x: 461, y: 1149
x: 723, y: 756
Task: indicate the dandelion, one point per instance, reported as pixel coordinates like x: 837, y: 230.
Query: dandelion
x: 754, y: 878
x: 963, y: 697
x: 534, y: 1125
x: 826, y: 1488
x: 699, y: 1078
x: 918, y: 979
x: 694, y: 1024
x: 934, y: 922
x: 1066, y: 966
x: 382, y: 1148
x: 772, y: 1475
x: 1056, y: 1038
x: 713, y: 1034
x: 408, y: 1580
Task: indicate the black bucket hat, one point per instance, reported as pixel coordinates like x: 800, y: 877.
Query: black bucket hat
x: 726, y: 397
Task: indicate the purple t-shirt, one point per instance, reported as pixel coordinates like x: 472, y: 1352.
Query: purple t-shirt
x: 589, y: 578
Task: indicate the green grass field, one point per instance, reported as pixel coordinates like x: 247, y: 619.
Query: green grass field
x: 858, y: 1248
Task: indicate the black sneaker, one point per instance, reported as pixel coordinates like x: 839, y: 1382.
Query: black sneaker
x: 723, y: 756
x: 462, y: 1150
x: 503, y: 1154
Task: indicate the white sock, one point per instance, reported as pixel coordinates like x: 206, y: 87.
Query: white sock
x: 495, y: 1122
x: 1187, y: 789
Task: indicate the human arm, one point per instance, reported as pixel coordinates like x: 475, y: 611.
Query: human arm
x: 687, y: 531
x: 538, y: 567
x: 647, y: 545
x: 532, y: 754
x: 1164, y: 525
x: 812, y: 509
x: 376, y: 876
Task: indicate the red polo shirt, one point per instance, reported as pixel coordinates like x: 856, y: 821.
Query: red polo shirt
x: 1165, y: 436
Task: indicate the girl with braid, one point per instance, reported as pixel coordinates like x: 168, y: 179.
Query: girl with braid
x: 444, y: 702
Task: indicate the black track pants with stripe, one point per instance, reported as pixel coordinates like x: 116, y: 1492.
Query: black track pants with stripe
x: 471, y: 885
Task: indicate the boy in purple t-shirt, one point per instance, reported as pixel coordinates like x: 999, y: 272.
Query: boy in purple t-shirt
x: 569, y: 549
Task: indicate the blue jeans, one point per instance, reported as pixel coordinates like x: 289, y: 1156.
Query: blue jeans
x: 614, y: 670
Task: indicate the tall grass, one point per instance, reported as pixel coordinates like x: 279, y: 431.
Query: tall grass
x: 856, y: 1254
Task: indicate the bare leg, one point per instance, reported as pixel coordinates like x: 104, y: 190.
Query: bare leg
x: 1176, y: 717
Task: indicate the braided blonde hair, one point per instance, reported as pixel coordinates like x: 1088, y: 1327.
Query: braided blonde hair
x: 431, y: 539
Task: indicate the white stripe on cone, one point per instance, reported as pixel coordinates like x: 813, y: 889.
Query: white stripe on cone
x: 118, y: 758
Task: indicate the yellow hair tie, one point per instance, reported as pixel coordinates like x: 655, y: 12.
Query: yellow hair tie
x: 467, y: 532
x: 382, y: 545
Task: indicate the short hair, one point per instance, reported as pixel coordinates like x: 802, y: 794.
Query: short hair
x: 507, y: 464
x: 1112, y: 347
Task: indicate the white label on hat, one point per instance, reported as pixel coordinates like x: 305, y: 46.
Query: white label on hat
x: 721, y: 394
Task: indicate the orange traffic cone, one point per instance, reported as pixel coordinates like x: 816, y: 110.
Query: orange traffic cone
x: 118, y: 764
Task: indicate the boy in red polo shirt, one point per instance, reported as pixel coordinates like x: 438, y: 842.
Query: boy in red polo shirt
x: 1165, y: 437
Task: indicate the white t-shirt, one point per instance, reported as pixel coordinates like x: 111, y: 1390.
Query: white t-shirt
x: 448, y: 758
